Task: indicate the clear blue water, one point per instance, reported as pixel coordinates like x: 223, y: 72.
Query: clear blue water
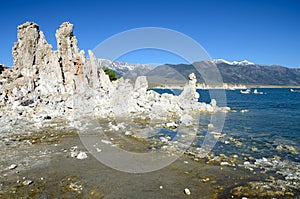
x: 273, y: 119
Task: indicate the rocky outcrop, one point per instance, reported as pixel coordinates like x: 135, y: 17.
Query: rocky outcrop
x: 51, y: 71
x: 122, y: 99
x: 41, y: 80
x: 62, y: 83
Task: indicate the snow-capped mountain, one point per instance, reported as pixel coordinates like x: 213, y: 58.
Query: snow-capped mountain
x: 125, y: 69
x: 243, y: 72
x: 241, y: 63
x: 232, y: 72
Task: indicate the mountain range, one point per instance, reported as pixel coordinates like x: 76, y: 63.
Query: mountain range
x: 125, y: 69
x: 243, y: 72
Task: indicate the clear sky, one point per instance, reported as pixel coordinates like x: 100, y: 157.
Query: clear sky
x: 261, y: 31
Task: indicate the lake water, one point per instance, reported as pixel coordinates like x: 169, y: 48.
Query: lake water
x: 261, y: 134
x: 271, y: 119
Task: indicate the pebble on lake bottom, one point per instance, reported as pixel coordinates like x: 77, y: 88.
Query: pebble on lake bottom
x: 81, y: 155
x: 13, y: 166
x: 27, y: 182
x: 187, y: 191
x: 205, y: 180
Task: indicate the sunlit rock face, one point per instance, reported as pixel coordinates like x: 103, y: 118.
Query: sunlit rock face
x: 64, y: 82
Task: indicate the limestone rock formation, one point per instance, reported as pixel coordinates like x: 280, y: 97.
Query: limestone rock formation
x: 42, y: 79
x: 24, y: 51
x: 62, y: 83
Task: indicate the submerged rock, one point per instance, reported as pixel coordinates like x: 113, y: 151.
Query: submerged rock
x: 187, y: 191
x: 288, y: 148
x: 286, y: 185
x: 82, y: 155
x: 12, y: 166
x: 27, y: 182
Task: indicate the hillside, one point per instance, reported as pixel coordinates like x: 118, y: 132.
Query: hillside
x: 125, y: 69
x: 232, y: 72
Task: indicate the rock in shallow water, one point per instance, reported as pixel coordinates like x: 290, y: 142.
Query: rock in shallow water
x: 13, y: 166
x: 27, y: 182
x: 82, y: 155
x: 187, y: 191
x: 288, y: 148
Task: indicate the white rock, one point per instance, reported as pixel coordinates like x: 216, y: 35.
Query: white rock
x: 13, y: 166
x: 246, y: 163
x: 213, y: 103
x: 115, y: 128
x: 74, y: 154
x: 121, y: 125
x: 141, y: 84
x: 27, y: 182
x: 244, y: 111
x: 264, y: 159
x: 210, y: 126
x: 187, y: 191
x: 15, y: 105
x: 163, y: 139
x: 224, y: 164
x: 186, y: 120
x: 76, y: 187
x: 205, y: 180
x: 217, y: 135
x: 128, y: 133
x: 73, y: 148
x: 81, y: 155
x: 171, y: 125
x: 106, y: 142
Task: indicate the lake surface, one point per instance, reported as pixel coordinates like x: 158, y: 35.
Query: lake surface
x: 263, y: 121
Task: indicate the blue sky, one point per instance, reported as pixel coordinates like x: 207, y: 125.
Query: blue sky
x: 265, y: 31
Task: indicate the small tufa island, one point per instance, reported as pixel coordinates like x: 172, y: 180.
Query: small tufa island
x: 46, y: 84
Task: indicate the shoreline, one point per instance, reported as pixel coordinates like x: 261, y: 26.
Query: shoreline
x: 43, y: 166
x: 56, y: 174
x: 221, y: 88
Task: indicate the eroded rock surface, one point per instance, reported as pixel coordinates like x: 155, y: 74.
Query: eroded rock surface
x: 48, y: 84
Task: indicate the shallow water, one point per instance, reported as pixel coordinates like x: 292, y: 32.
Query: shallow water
x: 271, y: 119
x: 261, y: 133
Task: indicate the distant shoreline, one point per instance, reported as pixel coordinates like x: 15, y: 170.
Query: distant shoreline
x: 248, y: 86
x: 272, y: 86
